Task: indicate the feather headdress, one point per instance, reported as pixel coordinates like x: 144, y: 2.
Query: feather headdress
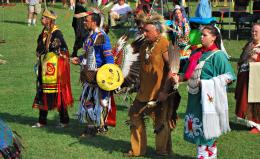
x: 93, y: 10
x: 155, y: 19
x: 150, y: 18
x: 102, y: 16
x: 49, y: 14
x: 128, y: 56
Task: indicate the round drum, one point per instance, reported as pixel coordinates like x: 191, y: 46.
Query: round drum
x: 109, y: 77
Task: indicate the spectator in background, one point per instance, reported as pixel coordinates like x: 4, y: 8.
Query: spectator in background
x: 119, y: 12
x: 141, y: 4
x: 78, y: 26
x: 72, y: 4
x: 4, y: 1
x: 216, y: 3
x: 53, y: 2
x: 248, y: 112
x: 204, y: 9
x: 34, y: 8
x: 64, y: 3
x: 176, y: 2
x: 240, y: 6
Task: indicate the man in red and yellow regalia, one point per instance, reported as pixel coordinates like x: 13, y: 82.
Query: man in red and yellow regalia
x: 53, y: 72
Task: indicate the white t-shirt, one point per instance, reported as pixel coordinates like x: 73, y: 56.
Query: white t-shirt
x: 123, y: 9
x: 33, y: 2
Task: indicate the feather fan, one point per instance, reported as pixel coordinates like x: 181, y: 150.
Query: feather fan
x: 99, y: 2
x: 174, y: 60
x: 128, y: 58
x: 117, y: 49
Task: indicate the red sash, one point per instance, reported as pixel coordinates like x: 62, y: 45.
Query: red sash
x: 194, y: 58
x: 111, y: 117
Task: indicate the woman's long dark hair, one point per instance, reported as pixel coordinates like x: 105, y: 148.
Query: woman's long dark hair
x: 214, y: 31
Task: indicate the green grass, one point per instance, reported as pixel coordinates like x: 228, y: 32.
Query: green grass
x: 17, y: 90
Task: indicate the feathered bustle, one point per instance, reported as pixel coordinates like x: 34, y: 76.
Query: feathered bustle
x: 128, y: 58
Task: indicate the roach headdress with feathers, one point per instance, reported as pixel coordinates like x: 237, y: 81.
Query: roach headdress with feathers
x: 128, y: 56
x: 153, y: 18
x: 93, y: 10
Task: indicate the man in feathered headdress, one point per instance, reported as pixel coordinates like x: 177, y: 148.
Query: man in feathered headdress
x: 152, y: 97
x: 95, y: 102
x: 53, y: 72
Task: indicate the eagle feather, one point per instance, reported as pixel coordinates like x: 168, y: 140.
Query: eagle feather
x: 128, y: 58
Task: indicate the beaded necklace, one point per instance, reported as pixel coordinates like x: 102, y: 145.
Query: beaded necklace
x: 149, y: 50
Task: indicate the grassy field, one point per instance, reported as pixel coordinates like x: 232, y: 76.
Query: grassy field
x: 17, y: 90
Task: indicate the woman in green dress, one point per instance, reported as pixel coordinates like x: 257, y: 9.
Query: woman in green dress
x: 206, y: 63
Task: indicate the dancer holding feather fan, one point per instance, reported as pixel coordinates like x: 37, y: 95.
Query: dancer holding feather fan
x: 154, y: 70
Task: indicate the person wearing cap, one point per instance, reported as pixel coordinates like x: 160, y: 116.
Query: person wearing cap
x: 94, y: 102
x: 78, y: 26
x: 153, y: 97
x: 53, y: 72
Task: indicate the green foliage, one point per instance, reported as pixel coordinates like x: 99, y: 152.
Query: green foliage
x: 17, y: 90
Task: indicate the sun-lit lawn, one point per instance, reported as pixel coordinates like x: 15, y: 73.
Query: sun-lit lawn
x: 17, y: 90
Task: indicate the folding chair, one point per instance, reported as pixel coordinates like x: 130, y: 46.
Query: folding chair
x: 244, y: 23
